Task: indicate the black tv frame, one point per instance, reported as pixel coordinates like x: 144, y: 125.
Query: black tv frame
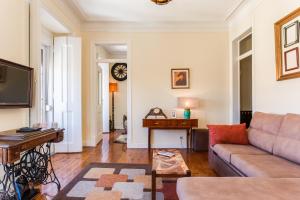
x: 30, y: 88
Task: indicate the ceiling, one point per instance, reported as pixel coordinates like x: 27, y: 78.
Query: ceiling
x: 147, y: 11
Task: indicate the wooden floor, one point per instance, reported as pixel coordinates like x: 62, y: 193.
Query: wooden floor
x: 67, y: 166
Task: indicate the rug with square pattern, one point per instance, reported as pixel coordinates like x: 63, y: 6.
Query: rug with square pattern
x: 109, y: 181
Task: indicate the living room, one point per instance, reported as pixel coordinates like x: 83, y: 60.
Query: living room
x: 59, y: 43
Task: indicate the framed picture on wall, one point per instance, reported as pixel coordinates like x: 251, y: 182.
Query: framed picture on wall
x: 287, y: 45
x: 180, y: 78
x: 291, y: 59
x: 291, y: 34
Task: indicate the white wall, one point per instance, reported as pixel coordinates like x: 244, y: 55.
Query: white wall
x: 14, y: 47
x: 151, y: 57
x: 120, y: 100
x: 269, y: 95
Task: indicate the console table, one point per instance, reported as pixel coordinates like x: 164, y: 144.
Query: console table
x: 176, y: 124
x: 28, y: 157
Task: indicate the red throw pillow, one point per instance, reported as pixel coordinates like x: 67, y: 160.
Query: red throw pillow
x: 228, y: 134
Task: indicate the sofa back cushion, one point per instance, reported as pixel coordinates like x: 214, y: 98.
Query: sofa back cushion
x: 287, y: 143
x: 264, y: 129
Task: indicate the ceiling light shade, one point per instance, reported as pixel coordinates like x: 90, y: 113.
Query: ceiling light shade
x: 161, y: 2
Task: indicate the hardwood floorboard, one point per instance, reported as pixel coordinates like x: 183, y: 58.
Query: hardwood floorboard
x: 67, y: 166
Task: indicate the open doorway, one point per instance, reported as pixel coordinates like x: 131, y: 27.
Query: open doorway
x: 112, y: 62
x: 242, y: 79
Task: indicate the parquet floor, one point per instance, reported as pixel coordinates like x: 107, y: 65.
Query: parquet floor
x: 67, y: 166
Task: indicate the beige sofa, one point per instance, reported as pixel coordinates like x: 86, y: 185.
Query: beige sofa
x: 272, y: 158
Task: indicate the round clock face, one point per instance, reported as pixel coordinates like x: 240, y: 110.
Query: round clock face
x: 156, y: 110
x: 119, y: 71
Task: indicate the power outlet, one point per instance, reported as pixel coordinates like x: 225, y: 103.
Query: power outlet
x: 181, y: 141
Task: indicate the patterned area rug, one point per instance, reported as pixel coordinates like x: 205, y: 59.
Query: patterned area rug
x: 107, y: 181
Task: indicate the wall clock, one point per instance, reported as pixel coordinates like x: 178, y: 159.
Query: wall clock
x: 119, y: 71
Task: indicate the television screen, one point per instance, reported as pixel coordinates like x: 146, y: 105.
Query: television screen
x: 15, y: 84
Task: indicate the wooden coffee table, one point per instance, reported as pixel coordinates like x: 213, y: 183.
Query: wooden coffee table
x: 162, y: 166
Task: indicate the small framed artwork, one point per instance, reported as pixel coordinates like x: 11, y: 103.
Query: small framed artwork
x: 287, y: 44
x: 2, y: 74
x: 291, y: 34
x: 291, y: 59
x: 173, y: 114
x: 180, y: 78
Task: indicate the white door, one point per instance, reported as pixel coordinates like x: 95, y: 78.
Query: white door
x: 105, y: 96
x: 67, y: 92
x: 46, y: 74
x: 99, y: 118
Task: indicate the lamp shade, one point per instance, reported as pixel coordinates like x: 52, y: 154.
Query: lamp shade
x: 187, y: 102
x: 113, y: 87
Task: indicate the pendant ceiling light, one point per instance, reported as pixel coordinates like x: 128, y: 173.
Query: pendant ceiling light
x: 161, y: 2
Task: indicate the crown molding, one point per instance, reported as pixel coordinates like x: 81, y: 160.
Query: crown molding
x: 244, y: 7
x: 78, y: 11
x: 154, y: 26
x: 235, y: 9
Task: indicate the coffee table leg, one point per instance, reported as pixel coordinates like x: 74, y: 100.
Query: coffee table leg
x: 153, y: 185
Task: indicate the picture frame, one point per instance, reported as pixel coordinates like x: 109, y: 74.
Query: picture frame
x: 3, y: 74
x: 173, y: 114
x: 180, y: 78
x: 287, y: 44
x: 291, y: 34
x: 291, y: 59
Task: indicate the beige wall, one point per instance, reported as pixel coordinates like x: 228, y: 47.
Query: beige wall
x: 61, y: 11
x: 151, y: 57
x: 120, y: 100
x: 14, y: 47
x: 269, y: 95
x: 14, y: 22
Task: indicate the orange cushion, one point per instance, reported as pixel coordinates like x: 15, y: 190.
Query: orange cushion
x: 228, y: 134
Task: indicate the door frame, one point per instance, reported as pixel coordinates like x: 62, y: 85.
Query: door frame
x: 44, y: 72
x: 235, y: 74
x: 93, y: 140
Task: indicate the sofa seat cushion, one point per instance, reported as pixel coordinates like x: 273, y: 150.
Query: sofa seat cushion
x: 265, y: 166
x: 237, y: 188
x: 287, y: 144
x: 226, y: 150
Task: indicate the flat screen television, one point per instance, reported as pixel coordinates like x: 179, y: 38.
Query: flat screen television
x: 15, y: 85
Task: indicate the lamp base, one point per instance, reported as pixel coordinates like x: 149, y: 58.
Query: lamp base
x: 187, y: 113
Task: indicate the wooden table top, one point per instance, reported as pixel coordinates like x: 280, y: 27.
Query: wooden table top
x: 47, y: 133
x: 11, y: 148
x: 174, y: 165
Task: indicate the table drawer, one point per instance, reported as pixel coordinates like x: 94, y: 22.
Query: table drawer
x: 184, y: 123
x: 158, y: 123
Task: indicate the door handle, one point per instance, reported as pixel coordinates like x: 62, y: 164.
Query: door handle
x: 48, y: 108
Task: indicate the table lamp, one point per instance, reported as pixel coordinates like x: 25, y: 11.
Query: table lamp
x: 187, y: 103
x: 113, y: 87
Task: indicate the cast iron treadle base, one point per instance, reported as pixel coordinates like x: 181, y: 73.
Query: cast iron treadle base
x: 35, y: 165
